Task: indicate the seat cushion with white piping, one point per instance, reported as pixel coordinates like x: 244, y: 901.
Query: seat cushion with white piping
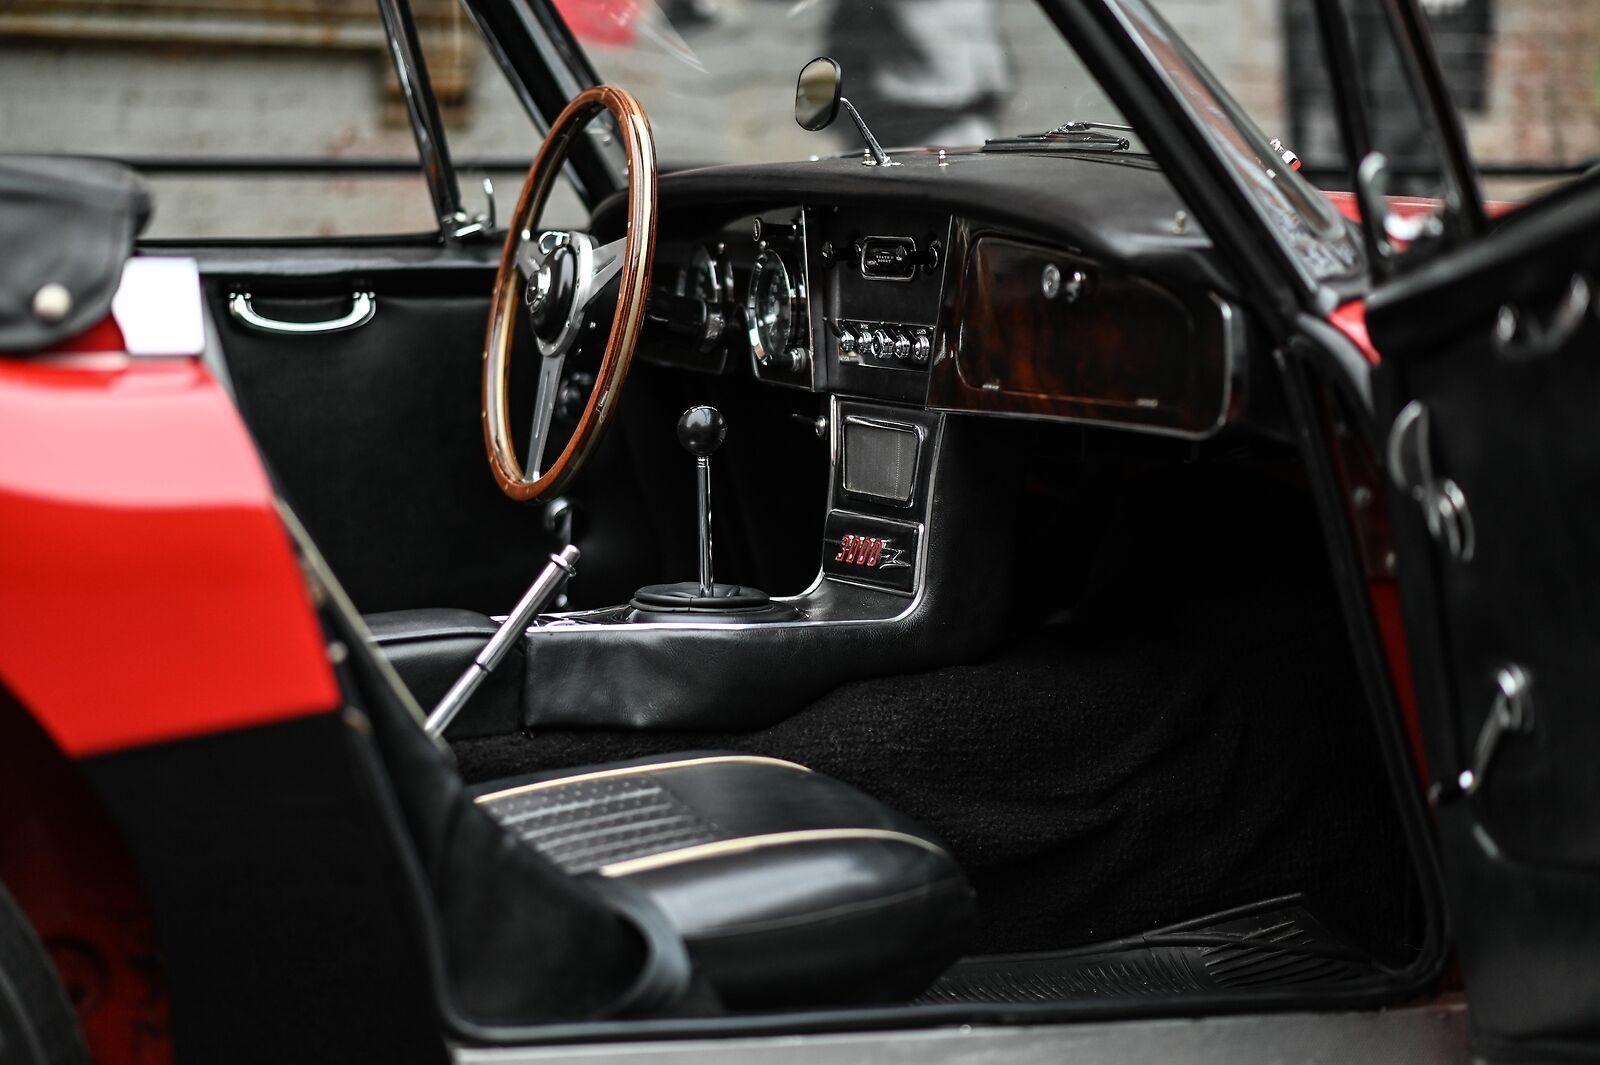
x: 790, y: 888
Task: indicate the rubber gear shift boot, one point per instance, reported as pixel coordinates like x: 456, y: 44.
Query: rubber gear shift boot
x: 734, y: 603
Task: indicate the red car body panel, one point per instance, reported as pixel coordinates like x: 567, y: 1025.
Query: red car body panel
x: 1383, y: 591
x: 148, y: 590
x: 1351, y: 320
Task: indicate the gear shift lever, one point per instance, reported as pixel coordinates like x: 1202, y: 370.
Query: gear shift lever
x: 701, y: 431
x: 705, y: 602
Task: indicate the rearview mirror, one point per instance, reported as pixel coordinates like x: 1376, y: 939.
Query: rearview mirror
x: 816, y: 94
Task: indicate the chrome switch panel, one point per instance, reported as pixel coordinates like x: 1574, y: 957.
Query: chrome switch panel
x: 887, y: 345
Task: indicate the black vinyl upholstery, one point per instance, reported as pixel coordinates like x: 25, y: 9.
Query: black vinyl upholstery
x: 788, y: 887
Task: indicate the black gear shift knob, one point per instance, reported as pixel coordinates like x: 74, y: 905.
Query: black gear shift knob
x: 700, y: 431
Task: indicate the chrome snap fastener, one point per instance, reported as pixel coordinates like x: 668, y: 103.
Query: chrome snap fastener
x: 52, y: 302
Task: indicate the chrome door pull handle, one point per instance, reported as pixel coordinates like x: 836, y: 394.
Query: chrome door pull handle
x: 363, y: 305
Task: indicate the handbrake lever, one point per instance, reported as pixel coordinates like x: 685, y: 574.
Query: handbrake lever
x: 562, y: 566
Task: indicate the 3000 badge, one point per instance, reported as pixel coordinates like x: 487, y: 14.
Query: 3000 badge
x: 873, y: 550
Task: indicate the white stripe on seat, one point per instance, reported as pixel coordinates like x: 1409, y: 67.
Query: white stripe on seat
x: 750, y: 843
x: 654, y: 767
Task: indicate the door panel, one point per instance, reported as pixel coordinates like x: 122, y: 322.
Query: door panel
x: 374, y: 434
x: 1491, y: 385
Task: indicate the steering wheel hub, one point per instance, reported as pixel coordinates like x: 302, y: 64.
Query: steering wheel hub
x: 551, y: 292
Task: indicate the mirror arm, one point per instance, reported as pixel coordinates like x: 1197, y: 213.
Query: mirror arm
x: 879, y: 156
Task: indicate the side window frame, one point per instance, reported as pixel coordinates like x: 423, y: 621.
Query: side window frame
x: 1462, y: 218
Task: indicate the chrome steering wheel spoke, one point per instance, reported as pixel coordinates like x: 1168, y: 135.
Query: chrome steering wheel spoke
x: 544, y: 408
x: 595, y: 267
x: 607, y: 260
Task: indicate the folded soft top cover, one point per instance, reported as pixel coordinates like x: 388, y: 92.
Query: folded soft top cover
x: 66, y: 227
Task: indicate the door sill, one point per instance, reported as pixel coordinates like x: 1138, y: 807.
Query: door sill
x: 1434, y: 1033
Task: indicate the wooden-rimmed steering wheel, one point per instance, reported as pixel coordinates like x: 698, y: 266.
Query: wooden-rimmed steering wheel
x: 555, y: 275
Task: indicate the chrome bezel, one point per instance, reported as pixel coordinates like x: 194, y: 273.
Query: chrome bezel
x: 908, y: 243
x: 767, y: 260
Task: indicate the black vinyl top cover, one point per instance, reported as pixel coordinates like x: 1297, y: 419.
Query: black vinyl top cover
x: 63, y: 222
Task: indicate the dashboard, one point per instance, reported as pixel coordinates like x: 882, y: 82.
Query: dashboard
x: 950, y: 310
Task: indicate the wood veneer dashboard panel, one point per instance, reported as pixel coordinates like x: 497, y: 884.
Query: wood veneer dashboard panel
x: 1125, y: 351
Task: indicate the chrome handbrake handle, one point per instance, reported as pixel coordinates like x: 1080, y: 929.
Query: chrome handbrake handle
x: 561, y: 567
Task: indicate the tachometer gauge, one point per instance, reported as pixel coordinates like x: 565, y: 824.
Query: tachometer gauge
x: 702, y: 277
x: 770, y: 307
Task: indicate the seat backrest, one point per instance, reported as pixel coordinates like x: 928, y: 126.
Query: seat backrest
x: 516, y: 941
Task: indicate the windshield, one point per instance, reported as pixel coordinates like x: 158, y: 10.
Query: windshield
x: 717, y: 79
x: 717, y: 76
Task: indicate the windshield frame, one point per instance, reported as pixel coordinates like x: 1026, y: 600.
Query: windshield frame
x: 1252, y: 161
x: 1142, y: 80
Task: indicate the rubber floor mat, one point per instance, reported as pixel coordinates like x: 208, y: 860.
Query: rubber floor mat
x: 1268, y: 945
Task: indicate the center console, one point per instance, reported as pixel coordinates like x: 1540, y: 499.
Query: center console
x: 896, y: 592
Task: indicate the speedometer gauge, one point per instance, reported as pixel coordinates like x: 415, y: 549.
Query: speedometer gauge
x: 769, y: 307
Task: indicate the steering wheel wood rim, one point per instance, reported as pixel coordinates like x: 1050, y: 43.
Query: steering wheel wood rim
x: 638, y: 257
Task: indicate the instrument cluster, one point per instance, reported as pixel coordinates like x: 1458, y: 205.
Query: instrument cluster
x: 821, y: 299
x: 741, y: 294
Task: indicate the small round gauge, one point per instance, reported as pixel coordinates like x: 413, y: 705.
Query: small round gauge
x: 702, y: 277
x: 769, y: 307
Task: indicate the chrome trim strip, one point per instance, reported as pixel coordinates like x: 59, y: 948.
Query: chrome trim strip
x: 639, y: 770
x: 725, y: 847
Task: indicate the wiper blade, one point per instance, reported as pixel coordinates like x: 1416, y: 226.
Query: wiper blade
x: 1082, y: 136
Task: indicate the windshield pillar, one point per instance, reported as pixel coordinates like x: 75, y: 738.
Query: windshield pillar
x: 411, y: 67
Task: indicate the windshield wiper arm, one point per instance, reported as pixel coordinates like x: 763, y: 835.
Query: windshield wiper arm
x: 1077, y: 126
x: 1076, y: 135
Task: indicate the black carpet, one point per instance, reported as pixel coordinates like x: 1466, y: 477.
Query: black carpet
x: 1195, y: 740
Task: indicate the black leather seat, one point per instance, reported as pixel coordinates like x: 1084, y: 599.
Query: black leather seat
x: 789, y: 888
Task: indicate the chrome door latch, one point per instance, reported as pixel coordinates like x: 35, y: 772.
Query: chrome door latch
x: 1520, y: 336
x: 479, y: 226
x: 1443, y: 503
x: 1511, y: 714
